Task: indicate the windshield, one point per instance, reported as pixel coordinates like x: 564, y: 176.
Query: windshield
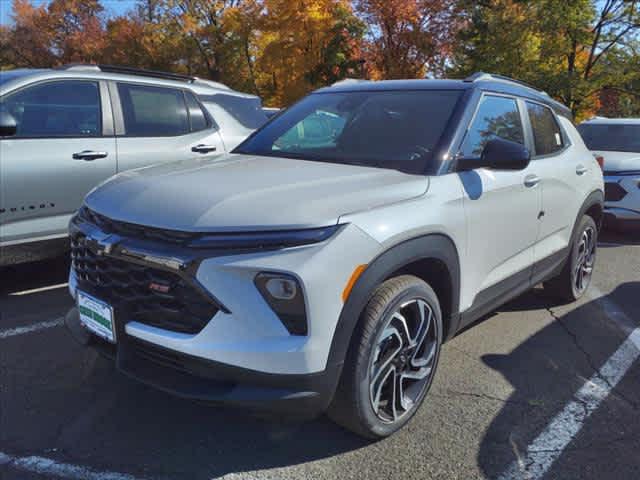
x: 611, y: 137
x: 389, y: 129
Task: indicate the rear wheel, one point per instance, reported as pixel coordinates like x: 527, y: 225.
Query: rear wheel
x: 392, y: 359
x: 575, y: 278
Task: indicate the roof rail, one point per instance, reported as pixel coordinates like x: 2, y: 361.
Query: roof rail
x: 79, y: 67
x: 127, y: 71
x: 494, y: 76
x: 211, y: 83
x: 347, y: 81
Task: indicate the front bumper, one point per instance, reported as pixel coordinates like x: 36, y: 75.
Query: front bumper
x: 302, y: 396
x: 622, y: 202
x: 241, y: 354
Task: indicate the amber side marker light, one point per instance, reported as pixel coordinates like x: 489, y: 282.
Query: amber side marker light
x: 352, y: 281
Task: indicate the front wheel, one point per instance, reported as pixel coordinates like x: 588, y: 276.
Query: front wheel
x: 392, y: 359
x: 575, y: 278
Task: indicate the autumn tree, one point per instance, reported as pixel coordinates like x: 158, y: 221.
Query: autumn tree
x: 306, y: 44
x: 408, y: 38
x: 62, y: 31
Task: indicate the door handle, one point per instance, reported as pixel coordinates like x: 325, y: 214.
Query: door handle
x: 531, y: 181
x: 88, y: 155
x: 581, y: 170
x: 202, y: 148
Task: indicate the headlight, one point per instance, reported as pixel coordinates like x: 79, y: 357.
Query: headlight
x: 285, y: 297
x: 265, y: 240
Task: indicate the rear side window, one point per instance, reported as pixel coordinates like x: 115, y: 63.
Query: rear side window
x: 153, y: 111
x: 611, y: 137
x: 247, y: 111
x: 497, y: 117
x: 56, y: 109
x: 547, y: 135
x: 197, y: 117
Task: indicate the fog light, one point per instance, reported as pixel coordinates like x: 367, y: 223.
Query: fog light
x: 283, y: 294
x: 282, y: 288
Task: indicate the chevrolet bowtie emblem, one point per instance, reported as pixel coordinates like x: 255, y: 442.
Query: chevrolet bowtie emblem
x: 105, y: 245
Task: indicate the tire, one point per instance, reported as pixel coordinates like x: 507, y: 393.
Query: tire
x: 363, y: 400
x: 567, y: 286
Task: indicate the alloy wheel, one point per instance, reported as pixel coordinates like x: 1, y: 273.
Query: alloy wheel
x: 403, y: 360
x: 585, y: 260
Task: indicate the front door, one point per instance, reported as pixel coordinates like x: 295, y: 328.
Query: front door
x: 63, y: 148
x: 501, y: 209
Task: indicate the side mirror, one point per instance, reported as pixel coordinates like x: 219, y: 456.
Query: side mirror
x: 8, y: 124
x: 498, y: 154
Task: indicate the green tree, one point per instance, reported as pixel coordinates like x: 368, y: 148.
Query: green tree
x: 561, y: 46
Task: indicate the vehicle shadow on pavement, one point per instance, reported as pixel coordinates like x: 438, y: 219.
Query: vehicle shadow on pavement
x: 546, y: 371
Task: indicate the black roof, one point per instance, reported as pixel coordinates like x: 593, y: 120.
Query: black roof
x: 479, y: 81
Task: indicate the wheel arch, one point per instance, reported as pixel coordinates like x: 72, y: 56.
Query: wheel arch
x: 592, y: 206
x: 433, y: 258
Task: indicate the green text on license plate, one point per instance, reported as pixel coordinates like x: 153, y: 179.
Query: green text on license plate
x: 96, y: 316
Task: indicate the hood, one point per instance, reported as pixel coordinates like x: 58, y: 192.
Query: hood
x: 242, y: 192
x: 620, y: 161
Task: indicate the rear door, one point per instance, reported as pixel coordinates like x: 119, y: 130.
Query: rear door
x: 64, y: 146
x: 161, y: 124
x: 564, y: 182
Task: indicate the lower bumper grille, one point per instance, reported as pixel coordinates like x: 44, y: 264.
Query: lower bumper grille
x: 141, y: 293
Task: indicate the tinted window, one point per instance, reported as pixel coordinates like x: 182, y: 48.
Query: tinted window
x: 153, y: 111
x: 612, y: 138
x: 389, y: 129
x: 197, y: 117
x: 547, y: 135
x: 57, y: 109
x: 497, y: 117
x: 247, y: 111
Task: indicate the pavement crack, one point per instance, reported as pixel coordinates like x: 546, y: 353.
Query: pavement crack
x: 487, y: 397
x: 589, y: 359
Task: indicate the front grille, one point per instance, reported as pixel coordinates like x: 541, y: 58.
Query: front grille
x: 132, y: 230
x: 613, y: 192
x: 126, y: 286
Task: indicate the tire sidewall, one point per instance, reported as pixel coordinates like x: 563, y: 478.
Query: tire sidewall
x: 421, y: 290
x: 585, y: 223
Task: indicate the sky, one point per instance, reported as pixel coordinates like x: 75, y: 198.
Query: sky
x: 114, y: 7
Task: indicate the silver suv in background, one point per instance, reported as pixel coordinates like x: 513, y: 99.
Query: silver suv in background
x: 63, y: 131
x: 322, y: 264
x: 617, y: 141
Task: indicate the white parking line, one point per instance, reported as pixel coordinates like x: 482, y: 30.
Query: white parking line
x: 549, y: 445
x: 38, y: 290
x: 12, y: 332
x: 48, y: 467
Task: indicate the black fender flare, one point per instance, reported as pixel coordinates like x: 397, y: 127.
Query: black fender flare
x: 432, y: 246
x: 594, y: 198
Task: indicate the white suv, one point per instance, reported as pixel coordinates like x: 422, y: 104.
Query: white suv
x: 65, y: 130
x: 324, y: 262
x: 617, y: 141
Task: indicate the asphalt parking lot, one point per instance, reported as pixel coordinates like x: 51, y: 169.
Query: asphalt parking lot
x: 536, y: 390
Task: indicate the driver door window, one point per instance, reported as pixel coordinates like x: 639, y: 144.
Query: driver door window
x: 67, y: 108
x: 497, y: 117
